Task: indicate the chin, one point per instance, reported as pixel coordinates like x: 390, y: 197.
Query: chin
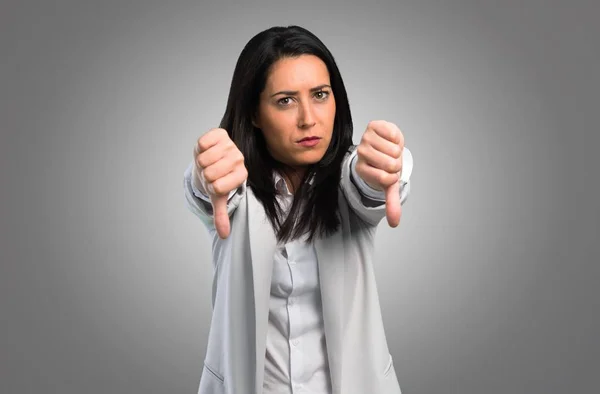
x: 310, y: 157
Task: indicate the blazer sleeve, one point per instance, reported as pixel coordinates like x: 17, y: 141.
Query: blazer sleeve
x: 202, y: 207
x: 360, y: 196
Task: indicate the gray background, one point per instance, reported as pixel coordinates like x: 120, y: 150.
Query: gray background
x: 489, y: 285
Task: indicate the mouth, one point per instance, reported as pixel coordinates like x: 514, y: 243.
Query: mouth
x: 309, y: 139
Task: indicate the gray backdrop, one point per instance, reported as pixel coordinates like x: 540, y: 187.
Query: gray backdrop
x: 489, y: 285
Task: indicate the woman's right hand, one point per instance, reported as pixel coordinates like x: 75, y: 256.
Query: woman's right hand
x: 219, y: 164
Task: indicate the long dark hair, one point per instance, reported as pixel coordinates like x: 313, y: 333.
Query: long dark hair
x: 319, y: 215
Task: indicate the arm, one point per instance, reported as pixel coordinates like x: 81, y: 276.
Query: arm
x: 366, y: 202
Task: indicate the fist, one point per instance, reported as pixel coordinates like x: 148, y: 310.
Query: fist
x: 379, y: 164
x: 219, y: 165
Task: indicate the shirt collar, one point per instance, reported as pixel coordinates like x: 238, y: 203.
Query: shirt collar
x: 281, y: 185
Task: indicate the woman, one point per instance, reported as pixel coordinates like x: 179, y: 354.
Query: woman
x: 292, y: 208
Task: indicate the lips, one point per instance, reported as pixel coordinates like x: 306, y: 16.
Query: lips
x: 309, y: 139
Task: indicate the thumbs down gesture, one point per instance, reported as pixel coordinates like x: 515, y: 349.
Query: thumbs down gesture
x: 219, y: 165
x: 379, y: 164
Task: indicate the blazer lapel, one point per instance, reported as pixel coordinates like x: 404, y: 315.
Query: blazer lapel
x: 331, y: 279
x: 262, y: 248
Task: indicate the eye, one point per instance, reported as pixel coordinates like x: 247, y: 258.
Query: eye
x: 323, y: 94
x: 282, y: 103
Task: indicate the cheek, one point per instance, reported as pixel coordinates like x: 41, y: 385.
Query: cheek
x: 278, y: 129
x: 280, y: 124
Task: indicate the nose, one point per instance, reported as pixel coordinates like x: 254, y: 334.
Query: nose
x: 306, y: 117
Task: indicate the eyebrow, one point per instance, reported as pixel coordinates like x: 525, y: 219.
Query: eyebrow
x: 291, y: 93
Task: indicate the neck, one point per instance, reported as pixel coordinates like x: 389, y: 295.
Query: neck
x: 293, y: 176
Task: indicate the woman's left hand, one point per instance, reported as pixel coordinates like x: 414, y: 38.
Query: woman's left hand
x: 379, y: 164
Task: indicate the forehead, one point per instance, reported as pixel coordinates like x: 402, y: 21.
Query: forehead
x: 303, y: 72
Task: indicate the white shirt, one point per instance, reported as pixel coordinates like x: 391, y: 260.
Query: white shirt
x: 296, y: 352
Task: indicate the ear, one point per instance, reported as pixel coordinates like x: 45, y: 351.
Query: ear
x: 255, y: 120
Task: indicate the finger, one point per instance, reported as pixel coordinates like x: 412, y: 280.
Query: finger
x: 222, y: 225
x: 379, y: 160
x: 209, y: 139
x: 393, y: 208
x: 211, y: 156
x: 393, y: 133
x: 219, y: 169
x: 229, y: 182
x: 387, y: 130
x: 383, y: 145
x: 220, y: 198
x: 375, y: 176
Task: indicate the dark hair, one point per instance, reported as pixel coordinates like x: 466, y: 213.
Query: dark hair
x: 319, y: 215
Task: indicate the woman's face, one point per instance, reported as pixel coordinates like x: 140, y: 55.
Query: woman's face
x: 296, y: 110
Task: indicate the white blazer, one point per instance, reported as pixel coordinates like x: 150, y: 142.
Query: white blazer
x: 359, y: 358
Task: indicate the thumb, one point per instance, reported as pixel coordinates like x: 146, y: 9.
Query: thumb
x: 393, y: 208
x: 219, y: 204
